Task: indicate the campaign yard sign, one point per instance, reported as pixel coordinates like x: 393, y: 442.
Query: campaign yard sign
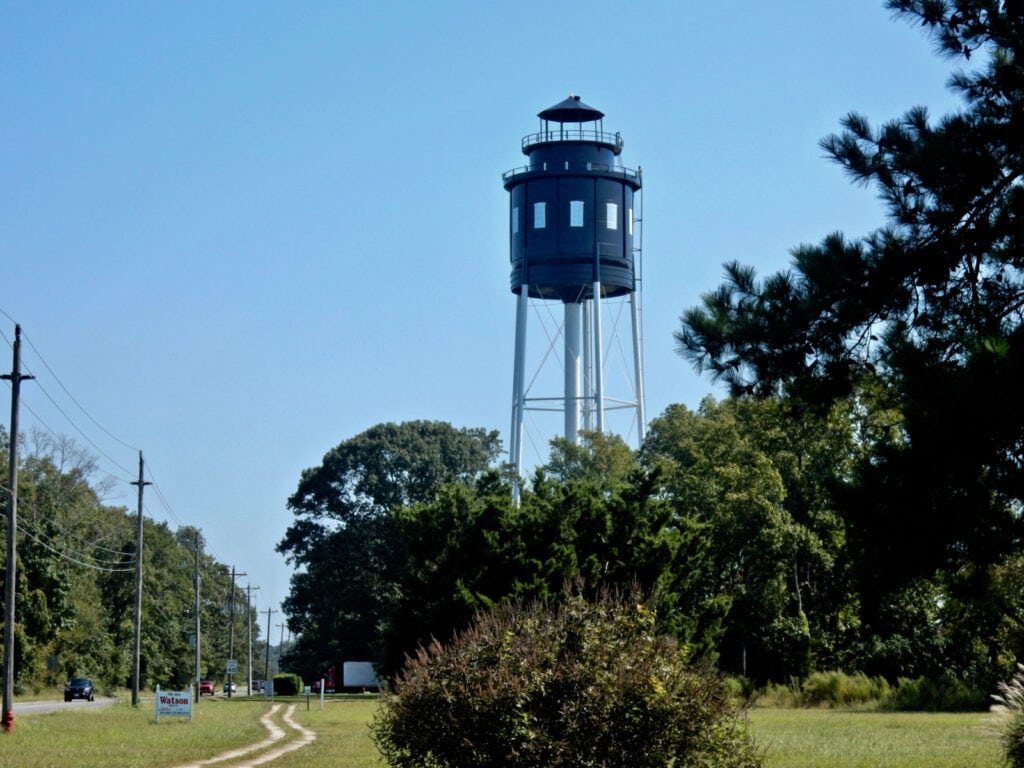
x: 173, y: 704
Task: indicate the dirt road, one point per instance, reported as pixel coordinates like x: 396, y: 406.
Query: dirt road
x: 280, y: 741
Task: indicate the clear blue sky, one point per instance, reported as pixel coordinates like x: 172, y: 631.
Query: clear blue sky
x: 242, y: 232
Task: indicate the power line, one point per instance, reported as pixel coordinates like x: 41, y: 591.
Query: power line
x: 163, y: 499
x: 160, y: 494
x: 63, y: 412
x: 79, y: 429
x: 36, y: 512
x: 55, y: 433
x: 65, y: 556
x: 79, y: 554
x: 88, y: 415
x: 74, y: 555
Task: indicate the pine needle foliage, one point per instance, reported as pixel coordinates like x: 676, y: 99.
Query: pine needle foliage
x: 926, y: 311
x: 580, y: 685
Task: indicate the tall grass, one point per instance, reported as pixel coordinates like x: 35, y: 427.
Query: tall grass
x: 1008, y: 718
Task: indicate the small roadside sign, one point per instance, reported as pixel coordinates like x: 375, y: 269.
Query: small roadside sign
x: 173, y: 704
x: 232, y: 666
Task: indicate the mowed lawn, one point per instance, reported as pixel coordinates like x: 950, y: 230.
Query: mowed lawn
x: 792, y: 738
x: 814, y: 738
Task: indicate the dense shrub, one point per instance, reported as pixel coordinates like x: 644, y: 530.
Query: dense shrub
x: 584, y: 684
x: 831, y: 688
x: 287, y: 684
x: 944, y: 694
x: 741, y: 689
x: 779, y: 695
x: 835, y: 688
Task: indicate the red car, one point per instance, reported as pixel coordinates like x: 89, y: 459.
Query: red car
x: 206, y: 686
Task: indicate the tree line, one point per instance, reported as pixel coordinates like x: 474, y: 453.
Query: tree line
x: 75, y: 591
x: 728, y: 516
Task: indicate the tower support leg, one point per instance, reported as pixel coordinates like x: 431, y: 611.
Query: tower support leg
x: 598, y: 361
x: 571, y: 326
x: 588, y: 368
x: 638, y: 368
x: 519, y: 390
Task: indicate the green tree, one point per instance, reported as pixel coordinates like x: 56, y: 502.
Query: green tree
x: 63, y: 525
x: 597, y: 457
x: 44, y: 587
x: 927, y: 310
x: 76, y: 580
x: 755, y: 482
x: 168, y: 604
x: 344, y: 595
x: 462, y: 554
x: 385, y: 467
x: 343, y: 540
x: 472, y: 548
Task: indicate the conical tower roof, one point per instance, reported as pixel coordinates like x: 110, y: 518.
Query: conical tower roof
x: 572, y: 110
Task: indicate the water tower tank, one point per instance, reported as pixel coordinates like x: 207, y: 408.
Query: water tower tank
x: 571, y: 208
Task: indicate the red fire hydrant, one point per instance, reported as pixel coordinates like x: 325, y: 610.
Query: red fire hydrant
x: 7, y: 721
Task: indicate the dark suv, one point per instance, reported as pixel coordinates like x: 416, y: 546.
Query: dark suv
x: 79, y: 688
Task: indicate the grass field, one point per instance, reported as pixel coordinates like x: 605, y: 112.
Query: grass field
x: 813, y: 738
x: 793, y: 738
x: 126, y: 737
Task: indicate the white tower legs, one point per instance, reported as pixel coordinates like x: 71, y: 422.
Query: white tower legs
x: 583, y: 396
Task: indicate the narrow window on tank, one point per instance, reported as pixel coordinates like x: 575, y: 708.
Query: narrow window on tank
x: 515, y: 221
x: 540, y: 215
x: 612, y: 212
x: 630, y: 222
x: 575, y: 213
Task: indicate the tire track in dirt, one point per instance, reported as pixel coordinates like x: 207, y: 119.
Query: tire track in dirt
x: 306, y: 736
x: 275, y: 734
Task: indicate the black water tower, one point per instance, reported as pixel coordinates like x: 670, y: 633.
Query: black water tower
x: 571, y: 230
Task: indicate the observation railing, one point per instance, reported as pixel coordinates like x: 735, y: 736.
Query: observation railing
x: 603, y: 169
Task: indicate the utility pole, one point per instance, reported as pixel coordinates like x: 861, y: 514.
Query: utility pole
x: 15, y: 377
x: 266, y: 668
x: 231, y: 630
x: 137, y: 651
x: 248, y: 610
x: 195, y: 576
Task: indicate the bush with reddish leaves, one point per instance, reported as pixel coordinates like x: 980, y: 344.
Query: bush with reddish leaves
x: 579, y: 685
